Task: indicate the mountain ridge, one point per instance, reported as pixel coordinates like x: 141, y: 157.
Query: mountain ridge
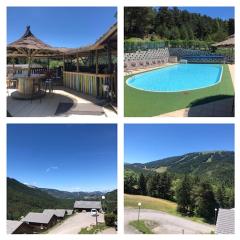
x: 216, y: 164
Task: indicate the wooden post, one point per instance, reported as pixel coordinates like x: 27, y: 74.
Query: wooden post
x: 97, y: 78
x: 77, y: 63
x: 29, y: 63
x: 96, y: 61
x: 48, y: 63
x: 63, y: 63
x: 109, y: 56
x: 13, y: 65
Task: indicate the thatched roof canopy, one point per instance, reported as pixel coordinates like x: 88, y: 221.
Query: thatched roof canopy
x: 109, y: 37
x: 229, y: 42
x: 29, y: 45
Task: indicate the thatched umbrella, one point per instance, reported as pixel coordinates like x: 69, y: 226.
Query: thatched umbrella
x: 30, y: 46
x: 228, y: 43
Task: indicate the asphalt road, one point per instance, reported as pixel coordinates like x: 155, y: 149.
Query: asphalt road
x: 73, y: 224
x: 166, y: 223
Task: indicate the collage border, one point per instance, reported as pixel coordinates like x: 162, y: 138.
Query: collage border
x: 120, y: 120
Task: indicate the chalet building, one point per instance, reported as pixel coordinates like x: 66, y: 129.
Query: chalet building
x: 40, y: 221
x: 80, y: 206
x: 18, y: 227
x: 225, y: 221
x: 59, y: 213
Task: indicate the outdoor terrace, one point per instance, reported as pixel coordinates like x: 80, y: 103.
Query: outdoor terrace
x: 86, y: 84
x: 62, y: 102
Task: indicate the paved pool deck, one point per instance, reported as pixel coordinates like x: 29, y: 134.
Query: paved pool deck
x: 140, y: 70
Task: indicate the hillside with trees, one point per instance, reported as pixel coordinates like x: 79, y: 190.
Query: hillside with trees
x: 197, y: 182
x: 174, y: 24
x: 22, y: 199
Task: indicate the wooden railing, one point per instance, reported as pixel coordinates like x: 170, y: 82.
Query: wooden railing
x: 88, y: 83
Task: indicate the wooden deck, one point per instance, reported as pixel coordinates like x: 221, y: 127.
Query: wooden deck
x: 49, y: 104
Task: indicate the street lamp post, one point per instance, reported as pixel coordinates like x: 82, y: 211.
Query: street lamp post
x: 139, y: 207
x: 103, y: 198
x: 215, y: 210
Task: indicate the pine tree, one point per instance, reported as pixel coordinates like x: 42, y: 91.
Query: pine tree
x: 130, y: 182
x: 221, y: 197
x: 142, y: 185
x: 166, y: 184
x: 206, y: 202
x: 183, y: 195
x: 152, y: 186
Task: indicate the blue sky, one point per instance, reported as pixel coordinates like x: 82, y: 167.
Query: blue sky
x: 80, y: 157
x: 60, y: 26
x: 215, y: 12
x: 149, y: 142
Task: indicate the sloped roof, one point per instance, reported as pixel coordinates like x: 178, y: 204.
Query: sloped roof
x: 58, y: 212
x: 225, y: 221
x: 13, y: 225
x: 88, y: 204
x: 38, y: 218
x: 229, y: 42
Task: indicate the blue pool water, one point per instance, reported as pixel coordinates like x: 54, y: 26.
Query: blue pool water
x: 177, y: 78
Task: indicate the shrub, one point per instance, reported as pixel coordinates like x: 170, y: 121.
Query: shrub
x: 109, y: 219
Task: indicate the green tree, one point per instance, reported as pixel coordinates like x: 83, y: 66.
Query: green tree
x: 183, y: 196
x: 174, y: 33
x: 221, y: 197
x: 183, y: 33
x: 206, y: 202
x: 130, y: 182
x: 164, y: 186
x: 231, y: 26
x: 138, y: 21
x: 152, y: 185
x: 142, y: 185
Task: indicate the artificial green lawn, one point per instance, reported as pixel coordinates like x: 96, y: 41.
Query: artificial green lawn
x: 139, y: 103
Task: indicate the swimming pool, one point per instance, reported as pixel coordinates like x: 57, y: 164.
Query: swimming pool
x: 177, y: 78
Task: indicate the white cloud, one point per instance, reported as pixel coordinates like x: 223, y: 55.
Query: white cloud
x: 52, y: 168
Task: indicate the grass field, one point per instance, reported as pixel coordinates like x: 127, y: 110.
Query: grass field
x: 141, y: 226
x: 139, y: 103
x: 150, y: 203
x: 155, y: 204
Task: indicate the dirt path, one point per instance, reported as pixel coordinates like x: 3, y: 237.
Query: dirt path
x: 167, y: 224
x: 73, y: 225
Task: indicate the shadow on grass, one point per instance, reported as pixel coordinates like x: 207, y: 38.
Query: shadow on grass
x: 221, y: 109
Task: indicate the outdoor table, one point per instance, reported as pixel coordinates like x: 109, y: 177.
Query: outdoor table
x: 25, y: 86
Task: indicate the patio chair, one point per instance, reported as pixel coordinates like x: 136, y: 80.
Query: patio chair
x: 48, y: 85
x: 106, y: 91
x: 127, y: 69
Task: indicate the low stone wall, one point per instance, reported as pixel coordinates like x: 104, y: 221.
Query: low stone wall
x: 149, y: 57
x: 163, y: 55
